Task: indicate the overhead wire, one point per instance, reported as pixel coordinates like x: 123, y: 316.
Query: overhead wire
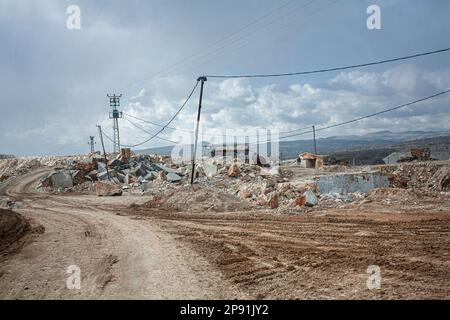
x: 148, y: 132
x: 206, y: 135
x: 210, y: 45
x: 354, y: 66
x: 367, y: 116
x: 233, y: 41
x: 311, y: 72
x: 170, y: 121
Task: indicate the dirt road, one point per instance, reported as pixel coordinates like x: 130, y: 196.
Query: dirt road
x: 132, y: 251
x: 327, y: 253
x: 118, y: 257
x: 324, y: 256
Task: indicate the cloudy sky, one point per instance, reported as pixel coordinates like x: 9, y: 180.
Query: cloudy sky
x: 54, y: 80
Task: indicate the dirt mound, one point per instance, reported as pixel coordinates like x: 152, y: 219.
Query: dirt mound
x: 11, y: 167
x: 400, y: 196
x: 425, y: 175
x: 198, y: 199
x: 13, y: 226
x: 442, y: 179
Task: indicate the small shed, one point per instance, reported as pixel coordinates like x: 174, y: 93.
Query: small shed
x: 311, y: 160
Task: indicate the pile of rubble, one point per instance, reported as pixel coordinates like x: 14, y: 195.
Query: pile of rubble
x: 230, y: 185
x: 235, y: 186
x: 109, y: 176
x: 197, y: 198
x: 430, y: 176
x: 224, y: 186
x: 11, y: 167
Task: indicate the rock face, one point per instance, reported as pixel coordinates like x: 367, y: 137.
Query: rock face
x: 62, y: 180
x: 352, y: 182
x: 234, y: 171
x: 103, y: 189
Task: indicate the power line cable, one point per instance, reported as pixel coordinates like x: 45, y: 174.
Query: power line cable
x: 230, y: 36
x: 157, y: 124
x: 243, y: 45
x: 240, y: 46
x: 206, y: 135
x: 251, y: 32
x: 170, y: 121
x: 359, y: 118
x: 330, y: 69
x: 212, y: 44
x: 291, y: 131
x: 367, y: 116
x: 130, y: 146
x: 310, y: 72
x: 148, y: 132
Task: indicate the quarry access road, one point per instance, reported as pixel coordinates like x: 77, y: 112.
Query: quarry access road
x: 400, y: 236
x: 117, y: 256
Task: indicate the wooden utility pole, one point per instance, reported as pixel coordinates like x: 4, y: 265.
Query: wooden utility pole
x: 314, y: 137
x: 100, y: 133
x: 202, y: 79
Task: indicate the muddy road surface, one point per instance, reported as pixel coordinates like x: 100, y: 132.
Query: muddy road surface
x: 372, y: 251
x: 118, y: 257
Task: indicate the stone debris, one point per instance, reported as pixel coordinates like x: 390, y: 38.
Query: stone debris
x: 310, y: 198
x: 346, y: 183
x: 196, y: 198
x: 231, y: 186
x: 124, y: 170
x: 273, y: 201
x: 173, y: 177
x: 104, y: 189
x: 209, y: 169
x: 233, y: 172
x: 425, y: 175
x: 61, y: 179
x: 300, y: 201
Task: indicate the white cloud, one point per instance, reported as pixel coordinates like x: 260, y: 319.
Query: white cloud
x: 237, y: 104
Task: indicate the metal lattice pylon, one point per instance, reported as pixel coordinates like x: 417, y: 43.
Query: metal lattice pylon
x: 115, y: 115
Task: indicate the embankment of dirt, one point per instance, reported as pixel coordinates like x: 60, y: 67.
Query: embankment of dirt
x: 13, y: 227
x: 197, y: 199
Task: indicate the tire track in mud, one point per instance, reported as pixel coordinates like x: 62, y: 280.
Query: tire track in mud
x: 323, y: 255
x: 119, y: 257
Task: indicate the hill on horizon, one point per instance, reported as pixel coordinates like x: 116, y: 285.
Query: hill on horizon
x: 342, y: 144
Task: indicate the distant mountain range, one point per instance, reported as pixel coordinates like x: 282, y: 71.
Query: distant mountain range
x: 387, y: 140
x: 394, y: 136
x: 374, y: 154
